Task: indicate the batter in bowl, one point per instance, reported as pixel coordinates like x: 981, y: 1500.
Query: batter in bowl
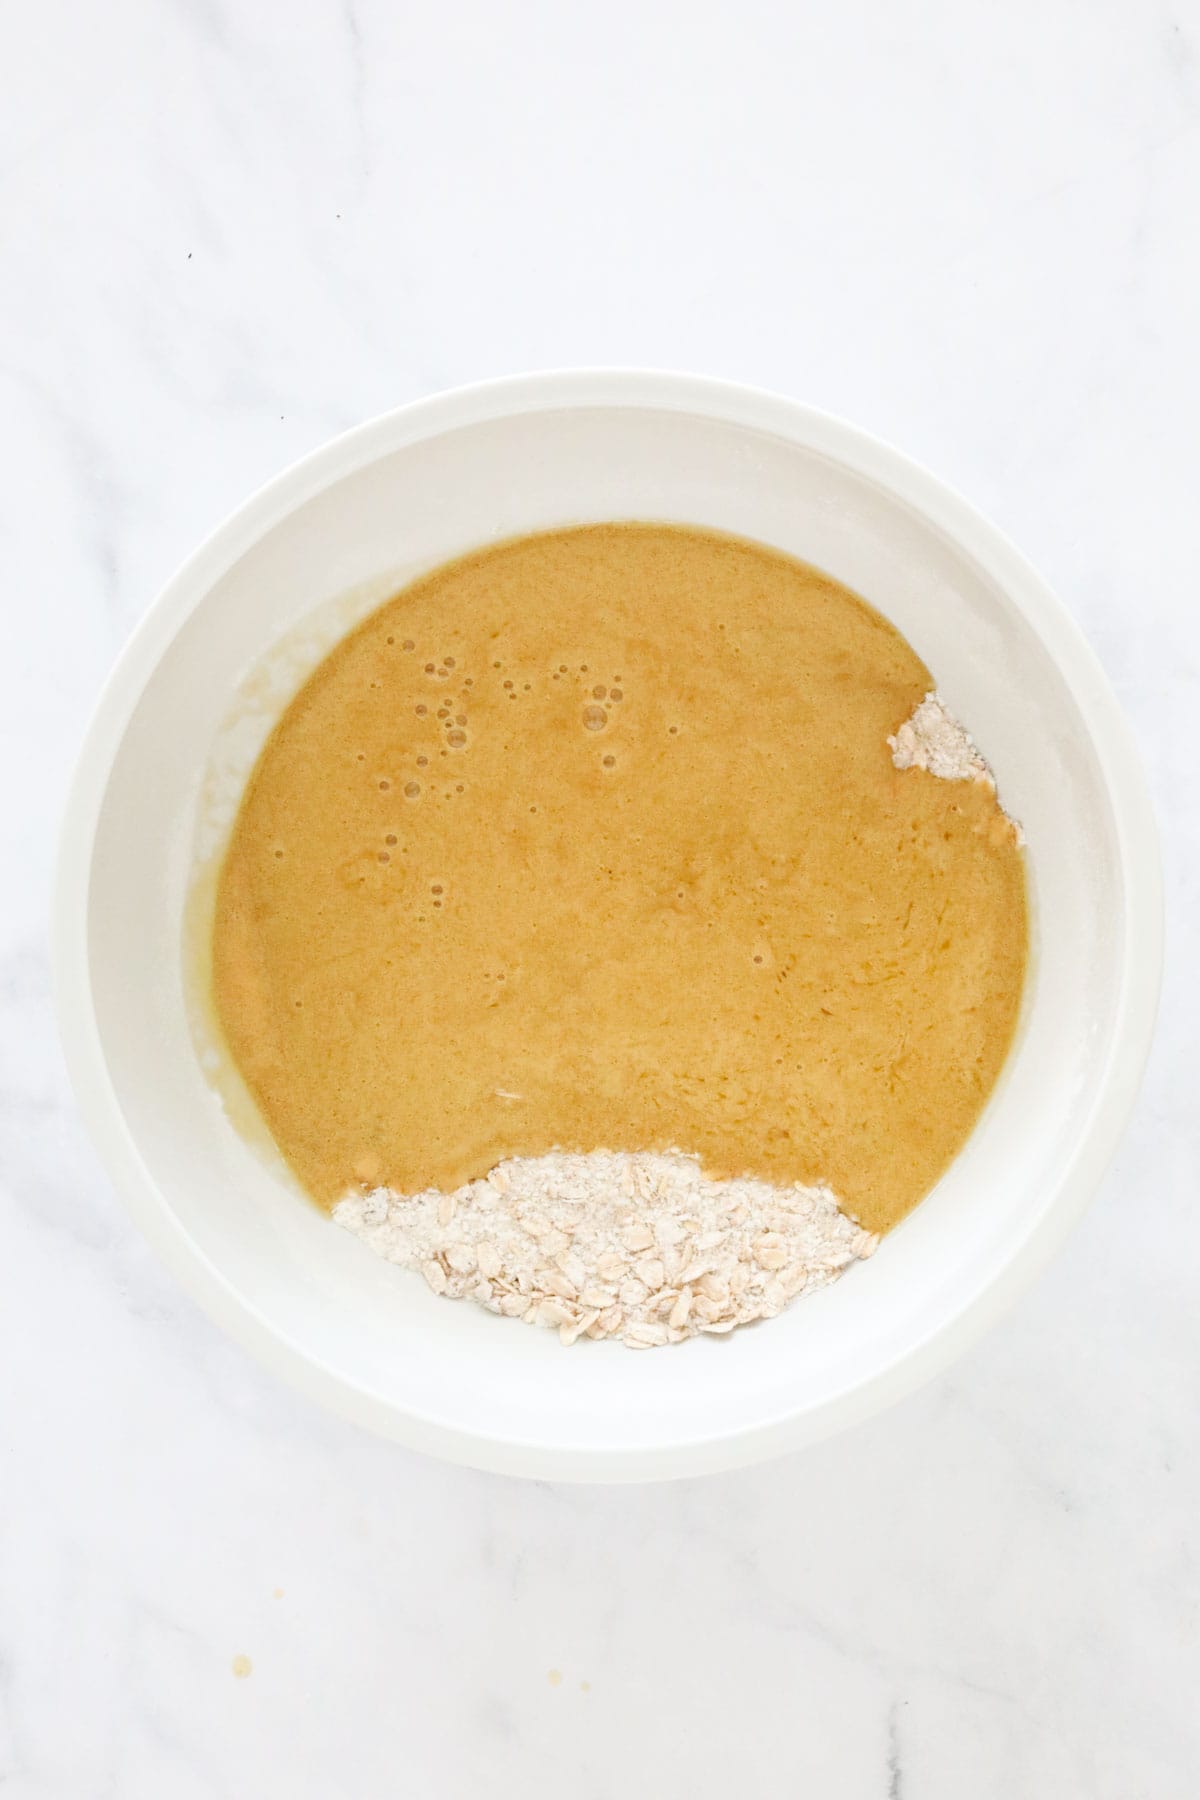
x: 593, y: 839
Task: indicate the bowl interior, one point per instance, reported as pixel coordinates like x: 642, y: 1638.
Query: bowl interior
x: 369, y: 1336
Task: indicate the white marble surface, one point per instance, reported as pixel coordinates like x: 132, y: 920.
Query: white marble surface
x: 226, y: 232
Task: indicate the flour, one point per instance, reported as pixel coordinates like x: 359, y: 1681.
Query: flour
x: 933, y: 739
x: 637, y: 1246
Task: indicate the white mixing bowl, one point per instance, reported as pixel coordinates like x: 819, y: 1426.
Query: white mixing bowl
x: 422, y: 485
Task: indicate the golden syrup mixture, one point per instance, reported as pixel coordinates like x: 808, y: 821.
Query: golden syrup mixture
x: 593, y: 839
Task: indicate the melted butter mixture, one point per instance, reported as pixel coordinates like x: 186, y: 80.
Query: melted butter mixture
x: 593, y: 839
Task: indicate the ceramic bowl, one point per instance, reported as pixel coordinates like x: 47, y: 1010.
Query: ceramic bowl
x: 356, y: 520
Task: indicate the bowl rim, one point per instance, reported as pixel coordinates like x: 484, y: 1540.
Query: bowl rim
x: 728, y: 402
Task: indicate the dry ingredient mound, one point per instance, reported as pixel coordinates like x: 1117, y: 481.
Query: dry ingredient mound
x: 933, y: 739
x: 637, y: 1246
